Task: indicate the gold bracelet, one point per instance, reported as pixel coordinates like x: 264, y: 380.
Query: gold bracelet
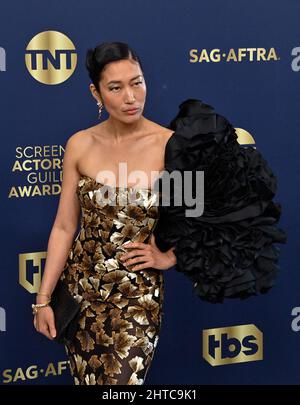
x: 36, y: 306
x: 45, y: 295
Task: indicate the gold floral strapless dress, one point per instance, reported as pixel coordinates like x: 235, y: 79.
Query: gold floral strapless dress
x: 121, y: 309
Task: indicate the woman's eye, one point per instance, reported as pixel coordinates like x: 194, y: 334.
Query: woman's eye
x: 117, y: 88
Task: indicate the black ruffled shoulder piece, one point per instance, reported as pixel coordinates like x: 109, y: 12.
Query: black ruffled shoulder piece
x: 229, y: 251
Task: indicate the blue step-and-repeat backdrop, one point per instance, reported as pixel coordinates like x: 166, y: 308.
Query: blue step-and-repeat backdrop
x: 241, y: 57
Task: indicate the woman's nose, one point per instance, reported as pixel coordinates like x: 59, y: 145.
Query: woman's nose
x: 129, y: 97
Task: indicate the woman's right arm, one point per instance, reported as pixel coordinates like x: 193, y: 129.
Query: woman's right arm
x: 62, y: 234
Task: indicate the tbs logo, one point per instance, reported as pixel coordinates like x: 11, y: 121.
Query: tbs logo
x: 233, y: 344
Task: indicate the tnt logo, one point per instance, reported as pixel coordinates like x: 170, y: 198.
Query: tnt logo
x: 234, y: 344
x: 2, y: 60
x: 51, y: 57
x: 2, y: 320
x: 30, y: 270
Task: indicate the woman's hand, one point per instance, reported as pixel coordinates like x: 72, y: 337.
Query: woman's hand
x: 148, y: 255
x: 44, y: 322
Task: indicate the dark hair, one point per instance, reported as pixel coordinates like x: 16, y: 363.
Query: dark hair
x: 104, y: 53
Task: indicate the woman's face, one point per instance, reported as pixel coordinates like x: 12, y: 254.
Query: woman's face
x: 122, y: 87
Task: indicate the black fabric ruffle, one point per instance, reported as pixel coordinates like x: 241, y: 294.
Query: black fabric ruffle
x: 228, y: 251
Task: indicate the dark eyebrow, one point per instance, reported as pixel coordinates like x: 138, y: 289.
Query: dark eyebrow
x: 119, y: 81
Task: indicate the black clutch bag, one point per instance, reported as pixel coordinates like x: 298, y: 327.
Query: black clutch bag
x: 66, y: 312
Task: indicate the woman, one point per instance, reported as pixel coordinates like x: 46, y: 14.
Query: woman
x: 113, y: 172
x: 121, y: 294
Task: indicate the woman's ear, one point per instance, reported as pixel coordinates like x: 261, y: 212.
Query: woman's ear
x: 95, y: 93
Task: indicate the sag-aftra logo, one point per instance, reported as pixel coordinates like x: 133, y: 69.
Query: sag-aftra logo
x: 233, y: 344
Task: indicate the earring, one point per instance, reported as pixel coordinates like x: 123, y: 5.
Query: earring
x: 100, y: 105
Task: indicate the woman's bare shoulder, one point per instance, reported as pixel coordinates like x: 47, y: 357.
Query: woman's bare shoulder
x: 167, y: 132
x: 164, y: 132
x: 83, y: 137
x: 167, y: 135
